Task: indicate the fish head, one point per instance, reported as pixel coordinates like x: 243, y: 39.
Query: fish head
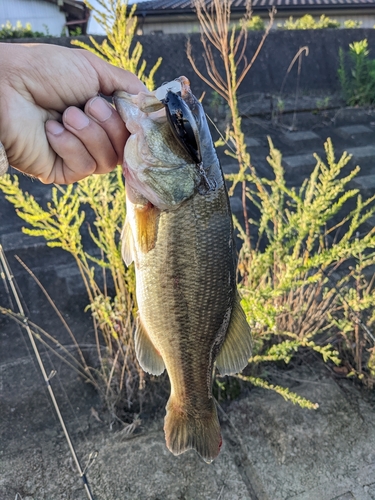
x: 156, y: 167
x: 170, y: 149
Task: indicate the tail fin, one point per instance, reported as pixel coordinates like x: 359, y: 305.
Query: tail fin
x: 184, y: 432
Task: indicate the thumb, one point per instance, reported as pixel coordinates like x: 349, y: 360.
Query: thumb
x: 112, y: 78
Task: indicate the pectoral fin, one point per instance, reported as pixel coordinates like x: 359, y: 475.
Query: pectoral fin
x: 237, y: 346
x: 147, y: 219
x: 148, y: 357
x: 127, y: 246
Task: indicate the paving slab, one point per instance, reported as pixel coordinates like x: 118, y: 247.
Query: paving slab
x: 302, y: 136
x: 17, y: 240
x: 353, y: 116
x: 354, y: 130
x: 363, y: 152
x: 299, y: 161
x: 73, y: 278
x: 364, y: 182
x: 229, y: 168
x: 236, y: 204
x: 252, y: 142
x: 299, y: 457
x: 271, y: 451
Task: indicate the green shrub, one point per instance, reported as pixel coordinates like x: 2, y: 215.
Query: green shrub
x: 255, y: 23
x: 307, y: 22
x: 303, y: 286
x: 18, y: 31
x: 357, y: 74
x: 113, y: 304
x: 351, y: 24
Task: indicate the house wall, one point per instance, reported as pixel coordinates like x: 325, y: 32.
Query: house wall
x: 36, y: 12
x: 189, y: 24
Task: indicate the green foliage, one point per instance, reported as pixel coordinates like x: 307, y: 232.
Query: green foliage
x: 111, y: 304
x: 307, y: 22
x: 120, y: 27
x: 227, y: 43
x: 19, y: 31
x: 294, y: 294
x: 76, y: 32
x: 351, y: 24
x: 357, y: 74
x: 226, y: 388
x: 255, y: 23
x: 61, y: 224
x: 283, y: 391
x: 323, y: 103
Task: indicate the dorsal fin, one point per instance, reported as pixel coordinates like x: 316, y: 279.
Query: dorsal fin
x: 237, y: 346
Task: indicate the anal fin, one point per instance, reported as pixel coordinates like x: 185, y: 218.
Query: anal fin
x: 149, y: 358
x: 237, y: 346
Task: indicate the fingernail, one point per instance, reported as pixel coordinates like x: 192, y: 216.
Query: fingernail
x: 54, y: 128
x: 76, y: 118
x: 99, y: 109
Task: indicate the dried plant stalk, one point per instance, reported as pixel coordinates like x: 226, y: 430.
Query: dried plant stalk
x: 230, y: 43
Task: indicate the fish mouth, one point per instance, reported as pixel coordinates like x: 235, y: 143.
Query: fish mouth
x: 184, y: 126
x: 188, y: 124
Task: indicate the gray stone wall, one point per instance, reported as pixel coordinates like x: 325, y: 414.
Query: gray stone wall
x: 318, y: 72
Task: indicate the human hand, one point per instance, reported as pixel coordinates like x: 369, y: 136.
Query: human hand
x: 43, y: 129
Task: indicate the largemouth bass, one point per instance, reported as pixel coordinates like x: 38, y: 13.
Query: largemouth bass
x: 179, y: 233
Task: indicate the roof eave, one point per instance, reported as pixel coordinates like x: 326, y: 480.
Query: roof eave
x: 161, y: 13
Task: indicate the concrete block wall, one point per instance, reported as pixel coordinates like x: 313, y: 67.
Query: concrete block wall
x: 318, y: 72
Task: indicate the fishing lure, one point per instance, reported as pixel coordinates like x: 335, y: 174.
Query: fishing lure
x: 184, y: 128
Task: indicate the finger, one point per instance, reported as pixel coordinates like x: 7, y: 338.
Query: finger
x: 93, y: 137
x: 112, y: 78
x: 108, y: 118
x: 73, y: 161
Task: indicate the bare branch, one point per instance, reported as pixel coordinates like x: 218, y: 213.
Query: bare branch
x: 217, y: 78
x: 211, y: 67
x: 244, y: 45
x: 302, y: 49
x: 195, y: 68
x: 260, y: 46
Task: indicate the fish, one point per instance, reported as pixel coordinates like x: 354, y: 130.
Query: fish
x: 179, y: 234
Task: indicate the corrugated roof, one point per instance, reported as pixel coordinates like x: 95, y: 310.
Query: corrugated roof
x: 181, y: 6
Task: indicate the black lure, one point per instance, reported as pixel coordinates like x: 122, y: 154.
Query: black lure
x: 185, y: 130
x: 182, y: 122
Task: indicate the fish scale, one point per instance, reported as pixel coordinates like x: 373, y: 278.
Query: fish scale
x: 179, y: 233
x: 193, y: 309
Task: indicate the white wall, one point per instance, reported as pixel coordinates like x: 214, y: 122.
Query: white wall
x: 93, y: 27
x: 36, y: 12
